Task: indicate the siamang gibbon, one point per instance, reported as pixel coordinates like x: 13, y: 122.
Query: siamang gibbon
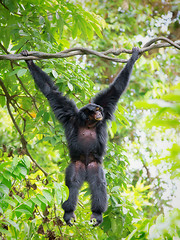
x: 86, y: 134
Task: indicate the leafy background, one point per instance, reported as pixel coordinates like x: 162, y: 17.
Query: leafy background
x: 143, y: 158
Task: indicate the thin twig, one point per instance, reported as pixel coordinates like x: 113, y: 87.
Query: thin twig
x: 86, y: 51
x: 23, y: 86
x: 56, y: 220
x: 26, y: 91
x: 4, y: 49
x: 22, y: 138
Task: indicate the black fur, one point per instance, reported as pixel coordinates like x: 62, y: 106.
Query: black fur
x: 86, y: 136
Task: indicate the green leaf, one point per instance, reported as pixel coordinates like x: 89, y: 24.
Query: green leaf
x: 39, y: 114
x: 27, y: 161
x: 6, y: 182
x: 29, y: 204
x: 48, y: 195
x: 1, y: 211
x: 20, y: 43
x: 25, y: 211
x: 70, y: 86
x: 16, y: 172
x: 12, y: 203
x: 2, y: 101
x: 114, y: 127
x: 75, y: 28
x: 15, y: 161
x: 4, y: 189
x: 41, y: 20
x: 13, y: 223
x: 6, y: 37
x: 90, y: 32
x: 13, y: 72
x: 54, y: 73
x: 22, y: 170
x: 36, y: 201
x: 21, y: 72
x: 42, y: 198
x: 45, y: 117
x: 97, y: 29
x: 106, y: 223
x: 1, y: 178
x: 7, y: 174
x: 61, y: 192
x: 19, y: 199
x: 60, y: 25
x: 4, y: 231
x: 153, y: 104
x: 82, y: 25
x: 91, y: 17
x: 47, y: 70
x: 4, y: 165
x: 172, y: 96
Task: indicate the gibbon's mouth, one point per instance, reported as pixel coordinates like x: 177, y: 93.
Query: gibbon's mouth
x: 98, y: 119
x: 98, y: 116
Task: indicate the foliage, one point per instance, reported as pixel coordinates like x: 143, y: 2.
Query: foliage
x: 167, y: 115
x: 142, y: 159
x: 165, y: 227
x: 26, y: 197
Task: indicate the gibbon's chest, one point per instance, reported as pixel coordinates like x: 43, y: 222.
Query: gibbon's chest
x: 87, y: 135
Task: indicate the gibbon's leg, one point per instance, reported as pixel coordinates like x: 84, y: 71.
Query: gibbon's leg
x: 75, y: 176
x: 97, y: 182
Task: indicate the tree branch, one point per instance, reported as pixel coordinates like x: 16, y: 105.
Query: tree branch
x: 26, y: 91
x: 86, y: 51
x: 22, y: 138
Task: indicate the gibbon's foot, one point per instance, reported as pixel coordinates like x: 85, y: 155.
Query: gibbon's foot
x: 68, y: 216
x: 98, y: 219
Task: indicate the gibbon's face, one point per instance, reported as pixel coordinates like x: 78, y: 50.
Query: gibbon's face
x: 91, y: 114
